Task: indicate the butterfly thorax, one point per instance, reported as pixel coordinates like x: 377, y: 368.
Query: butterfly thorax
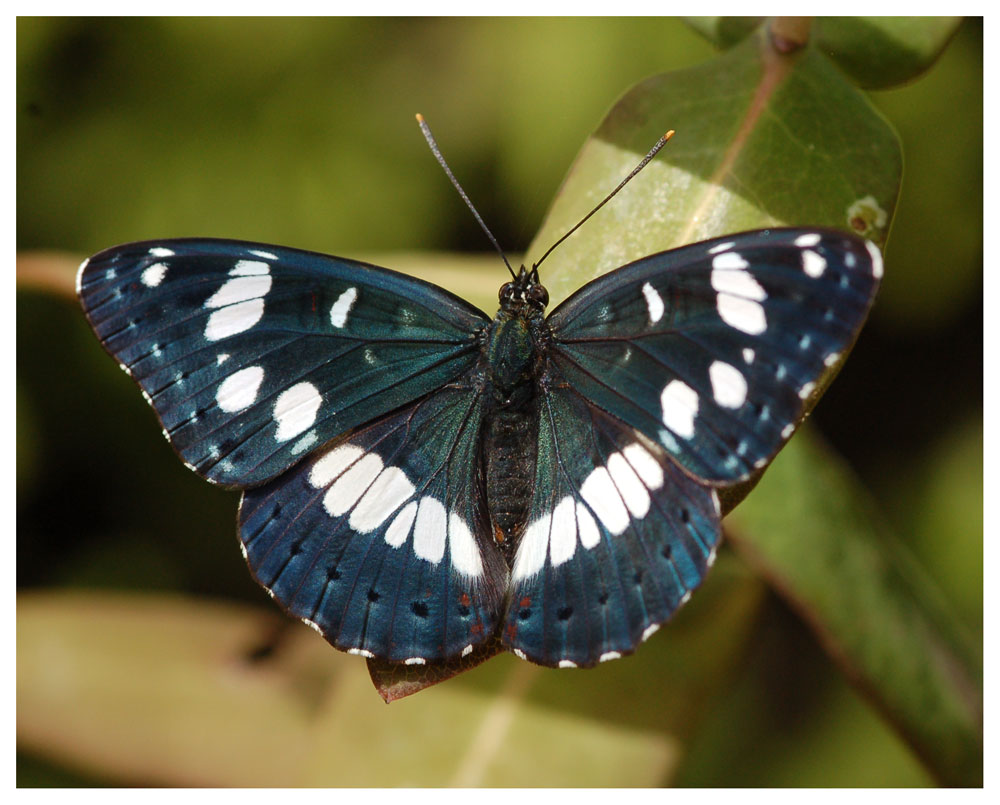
x: 513, y: 364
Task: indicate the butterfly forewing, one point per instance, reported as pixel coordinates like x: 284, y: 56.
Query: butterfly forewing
x: 617, y: 536
x: 254, y: 355
x: 378, y: 541
x: 711, y: 349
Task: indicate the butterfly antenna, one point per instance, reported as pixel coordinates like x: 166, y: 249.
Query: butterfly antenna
x: 645, y: 161
x: 437, y: 154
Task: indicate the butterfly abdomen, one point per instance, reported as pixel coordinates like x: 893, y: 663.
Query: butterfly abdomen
x: 510, y: 430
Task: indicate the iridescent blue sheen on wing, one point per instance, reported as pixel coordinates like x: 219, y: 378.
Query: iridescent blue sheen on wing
x: 253, y: 355
x: 712, y: 349
x: 377, y: 540
x: 617, y: 538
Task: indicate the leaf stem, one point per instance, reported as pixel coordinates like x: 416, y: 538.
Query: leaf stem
x: 790, y: 33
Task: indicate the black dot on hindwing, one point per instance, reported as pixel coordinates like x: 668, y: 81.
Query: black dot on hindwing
x: 602, y: 599
x: 372, y: 595
x: 524, y: 614
x: 420, y: 609
x: 332, y: 574
x: 564, y: 613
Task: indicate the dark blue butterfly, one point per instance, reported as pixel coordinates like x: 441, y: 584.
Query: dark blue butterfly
x: 420, y: 479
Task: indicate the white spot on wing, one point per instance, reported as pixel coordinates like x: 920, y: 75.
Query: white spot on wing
x: 653, y: 302
x: 521, y: 654
x: 807, y: 241
x: 430, y: 530
x: 748, y: 355
x: 234, y: 319
x: 831, y: 359
x: 79, y: 275
x: 876, y: 256
x: 609, y: 655
x: 467, y: 650
x: 590, y: 534
x: 239, y: 390
x: 386, y: 494
x: 360, y: 652
x: 240, y: 289
x: 562, y: 535
x: 399, y: 528
x: 221, y: 358
x: 265, y: 255
x: 649, y: 631
x: 728, y: 385
x: 740, y: 294
x: 249, y: 268
x: 743, y: 314
x: 351, y: 485
x: 304, y: 443
x: 534, y: 545
x: 813, y: 263
x: 465, y: 556
x: 601, y: 495
x: 728, y: 261
x: 679, y: 403
x: 154, y: 275
x: 161, y: 251
x: 645, y: 465
x: 787, y: 430
x: 721, y: 247
x: 414, y: 661
x: 342, y: 307
x: 632, y: 490
x: 331, y: 465
x: 295, y: 410
x: 567, y: 664
x: 806, y: 390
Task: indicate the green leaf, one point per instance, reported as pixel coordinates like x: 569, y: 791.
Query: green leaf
x: 763, y: 139
x: 935, y: 265
x: 876, y: 52
x: 810, y: 531
x: 881, y: 52
x: 724, y: 32
x: 181, y: 691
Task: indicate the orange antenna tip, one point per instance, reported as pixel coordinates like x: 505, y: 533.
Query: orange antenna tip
x: 666, y: 136
x: 420, y: 119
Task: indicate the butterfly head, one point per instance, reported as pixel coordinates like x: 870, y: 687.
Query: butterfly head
x: 525, y: 290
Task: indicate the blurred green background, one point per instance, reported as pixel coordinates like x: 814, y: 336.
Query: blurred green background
x: 301, y: 132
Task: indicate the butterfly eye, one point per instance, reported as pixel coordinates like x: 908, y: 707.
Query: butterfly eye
x: 538, y: 295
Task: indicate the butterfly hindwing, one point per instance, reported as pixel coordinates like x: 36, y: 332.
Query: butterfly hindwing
x: 254, y: 355
x: 377, y: 539
x: 712, y: 349
x: 617, y: 536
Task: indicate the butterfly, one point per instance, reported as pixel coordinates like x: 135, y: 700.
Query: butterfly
x: 420, y: 478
